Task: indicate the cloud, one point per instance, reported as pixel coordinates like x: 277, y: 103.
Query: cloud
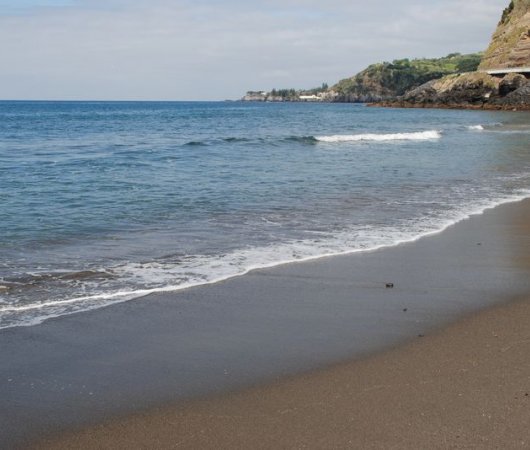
x: 207, y: 49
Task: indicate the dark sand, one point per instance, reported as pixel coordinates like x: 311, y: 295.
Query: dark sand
x: 466, y: 387
x: 448, y: 388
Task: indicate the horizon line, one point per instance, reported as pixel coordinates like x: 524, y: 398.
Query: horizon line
x: 111, y: 101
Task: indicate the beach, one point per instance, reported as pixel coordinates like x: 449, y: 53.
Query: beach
x: 320, y: 354
x: 465, y: 387
x: 313, y: 265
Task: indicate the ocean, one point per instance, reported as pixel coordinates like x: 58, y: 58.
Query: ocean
x: 105, y: 202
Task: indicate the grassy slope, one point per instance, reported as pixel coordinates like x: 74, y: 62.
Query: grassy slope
x: 392, y: 79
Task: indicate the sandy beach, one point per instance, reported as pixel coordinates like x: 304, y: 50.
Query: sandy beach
x: 314, y: 355
x: 465, y: 387
x: 217, y: 232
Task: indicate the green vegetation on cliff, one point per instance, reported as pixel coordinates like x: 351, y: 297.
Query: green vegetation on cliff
x: 386, y: 80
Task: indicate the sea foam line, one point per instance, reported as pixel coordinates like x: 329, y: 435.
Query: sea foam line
x: 108, y: 299
x: 417, y: 136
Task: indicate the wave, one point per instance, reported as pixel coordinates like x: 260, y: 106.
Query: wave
x: 417, y: 136
x: 31, y: 280
x: 195, y: 143
x: 237, y: 139
x: 501, y: 128
x: 195, y: 270
x: 302, y: 139
x: 213, y: 141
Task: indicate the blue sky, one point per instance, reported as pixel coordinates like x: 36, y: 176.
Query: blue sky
x: 218, y: 49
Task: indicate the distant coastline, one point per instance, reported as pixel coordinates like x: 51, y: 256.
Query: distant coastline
x: 497, y: 79
x: 378, y: 82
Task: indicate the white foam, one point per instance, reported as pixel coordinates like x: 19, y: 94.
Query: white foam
x: 418, y: 136
x: 202, y: 270
x: 476, y: 127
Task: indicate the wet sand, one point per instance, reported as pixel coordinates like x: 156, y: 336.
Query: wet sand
x: 126, y: 371
x: 465, y: 387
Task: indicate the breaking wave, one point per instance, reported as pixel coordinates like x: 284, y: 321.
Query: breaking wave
x: 418, y: 136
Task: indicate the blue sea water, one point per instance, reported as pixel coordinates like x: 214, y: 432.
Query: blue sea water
x: 102, y: 202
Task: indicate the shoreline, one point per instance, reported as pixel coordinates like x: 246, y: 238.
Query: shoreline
x: 140, y: 294
x: 89, y: 368
x: 471, y: 107
x: 411, y: 105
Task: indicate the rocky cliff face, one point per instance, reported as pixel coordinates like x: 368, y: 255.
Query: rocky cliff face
x: 474, y: 90
x: 510, y: 45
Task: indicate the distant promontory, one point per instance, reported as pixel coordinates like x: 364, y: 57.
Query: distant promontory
x: 498, y: 78
x: 378, y: 82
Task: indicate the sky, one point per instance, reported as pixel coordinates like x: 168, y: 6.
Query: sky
x: 219, y: 49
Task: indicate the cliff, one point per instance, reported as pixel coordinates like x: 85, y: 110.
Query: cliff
x: 510, y: 45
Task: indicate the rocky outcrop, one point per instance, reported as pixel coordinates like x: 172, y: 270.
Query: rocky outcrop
x: 510, y: 45
x: 511, y: 82
x: 473, y: 90
x: 370, y: 85
x: 517, y: 99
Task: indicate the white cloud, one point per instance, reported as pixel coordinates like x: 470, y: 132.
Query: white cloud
x: 210, y: 49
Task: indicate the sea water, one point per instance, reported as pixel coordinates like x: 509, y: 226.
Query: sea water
x: 104, y: 202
